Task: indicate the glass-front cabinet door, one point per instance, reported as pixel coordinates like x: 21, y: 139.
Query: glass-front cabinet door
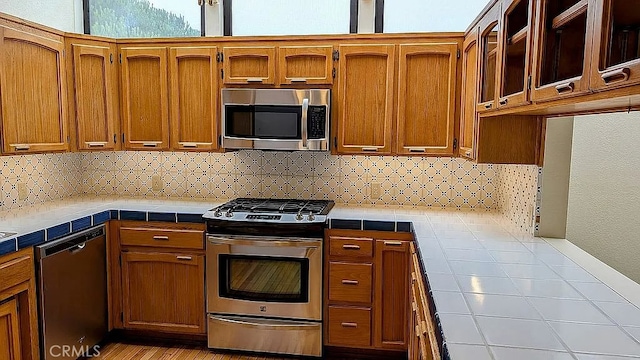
x: 562, y: 48
x: 514, y: 56
x: 616, y: 53
x: 489, y: 27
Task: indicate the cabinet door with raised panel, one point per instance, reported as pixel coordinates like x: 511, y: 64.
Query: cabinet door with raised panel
x: 392, y: 286
x: 9, y: 331
x: 194, y: 98
x: 469, y: 90
x: 365, y: 99
x: 489, y: 28
x: 33, y: 92
x: 426, y: 99
x: 163, y: 292
x: 616, y: 44
x: 562, y: 48
x: 95, y: 88
x: 305, y: 65
x: 145, y: 98
x: 249, y: 65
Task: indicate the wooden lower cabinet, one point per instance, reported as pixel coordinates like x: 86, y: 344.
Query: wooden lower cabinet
x: 163, y: 291
x: 366, y: 282
x: 423, y: 343
x: 18, y: 307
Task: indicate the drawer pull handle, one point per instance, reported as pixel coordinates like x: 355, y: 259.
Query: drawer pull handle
x: 351, y: 247
x: 565, y: 88
x: 488, y: 106
x: 349, y: 325
x: 185, y: 258
x: 417, y: 149
x: 160, y: 238
x: 372, y: 149
x: 189, y: 145
x: 255, y: 80
x: 96, y: 144
x: 615, y: 76
x: 298, y: 80
x: 393, y: 243
x: 504, y: 101
x: 21, y: 147
x: 350, y: 282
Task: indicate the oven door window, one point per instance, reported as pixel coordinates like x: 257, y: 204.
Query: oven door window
x: 263, y: 122
x: 262, y: 278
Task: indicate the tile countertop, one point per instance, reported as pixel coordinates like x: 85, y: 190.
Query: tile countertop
x: 497, y: 296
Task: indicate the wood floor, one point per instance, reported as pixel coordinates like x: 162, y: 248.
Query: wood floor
x: 119, y: 351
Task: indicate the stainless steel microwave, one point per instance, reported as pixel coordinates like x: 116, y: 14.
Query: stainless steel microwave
x: 276, y: 119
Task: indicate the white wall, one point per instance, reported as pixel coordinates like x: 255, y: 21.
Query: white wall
x: 65, y: 15
x: 290, y: 17
x: 604, y: 190
x: 430, y: 15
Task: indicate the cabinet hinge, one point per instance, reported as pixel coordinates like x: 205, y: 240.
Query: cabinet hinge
x: 529, y: 83
x: 333, y: 73
x: 219, y: 57
x: 458, y: 53
x: 336, y: 55
x: 120, y: 58
x: 68, y: 139
x: 115, y: 138
x: 123, y: 138
x: 122, y: 317
x: 111, y: 58
x: 335, y: 142
x: 455, y: 144
x: 222, y: 74
x: 120, y: 260
x: 219, y: 140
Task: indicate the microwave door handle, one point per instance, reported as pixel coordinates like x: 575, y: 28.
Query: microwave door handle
x: 305, y: 111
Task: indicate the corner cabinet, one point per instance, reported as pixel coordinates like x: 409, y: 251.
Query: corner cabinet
x: 563, y: 46
x: 94, y: 95
x: 194, y: 98
x: 616, y: 47
x: 33, y: 91
x: 426, y: 102
x: 365, y: 99
x: 145, y: 98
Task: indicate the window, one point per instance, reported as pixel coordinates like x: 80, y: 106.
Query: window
x: 290, y: 17
x: 143, y: 18
x: 430, y: 15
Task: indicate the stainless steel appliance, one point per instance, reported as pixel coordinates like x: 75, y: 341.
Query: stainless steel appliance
x: 264, y: 275
x: 72, y: 285
x: 276, y: 119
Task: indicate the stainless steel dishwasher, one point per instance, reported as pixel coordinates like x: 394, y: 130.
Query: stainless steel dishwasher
x: 72, y: 285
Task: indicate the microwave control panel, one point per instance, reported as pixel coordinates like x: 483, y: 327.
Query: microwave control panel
x: 317, y: 122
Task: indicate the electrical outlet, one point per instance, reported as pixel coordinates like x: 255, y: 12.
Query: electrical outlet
x: 156, y: 183
x: 532, y: 214
x: 376, y: 191
x: 23, y: 191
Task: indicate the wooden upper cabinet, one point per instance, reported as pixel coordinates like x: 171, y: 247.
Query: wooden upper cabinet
x: 249, y: 65
x: 194, y: 98
x: 305, y: 65
x: 469, y: 90
x: 33, y: 92
x: 426, y: 99
x: 365, y: 99
x: 94, y: 93
x: 145, y: 101
x: 392, y: 286
x: 163, y: 292
x: 562, y: 48
x: 514, y: 60
x: 488, y: 48
x: 10, y: 331
x: 616, y: 44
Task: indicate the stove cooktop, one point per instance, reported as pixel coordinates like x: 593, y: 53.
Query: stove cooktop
x: 272, y: 210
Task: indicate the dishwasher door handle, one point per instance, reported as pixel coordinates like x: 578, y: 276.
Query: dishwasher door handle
x: 78, y: 248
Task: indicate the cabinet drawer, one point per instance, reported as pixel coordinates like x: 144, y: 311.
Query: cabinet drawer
x: 345, y: 246
x: 349, y: 326
x: 15, y: 271
x: 164, y: 238
x: 350, y: 282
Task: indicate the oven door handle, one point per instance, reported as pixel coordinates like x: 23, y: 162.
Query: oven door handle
x: 271, y: 242
x: 267, y: 324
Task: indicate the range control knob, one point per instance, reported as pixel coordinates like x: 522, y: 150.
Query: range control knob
x: 311, y: 217
x: 217, y: 213
x: 229, y: 213
x: 299, y: 217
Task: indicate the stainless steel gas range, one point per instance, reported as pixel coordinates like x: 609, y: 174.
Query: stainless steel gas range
x: 264, y: 275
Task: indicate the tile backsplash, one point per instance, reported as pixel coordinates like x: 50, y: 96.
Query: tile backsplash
x: 415, y: 181
x: 42, y: 177
x: 436, y: 182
